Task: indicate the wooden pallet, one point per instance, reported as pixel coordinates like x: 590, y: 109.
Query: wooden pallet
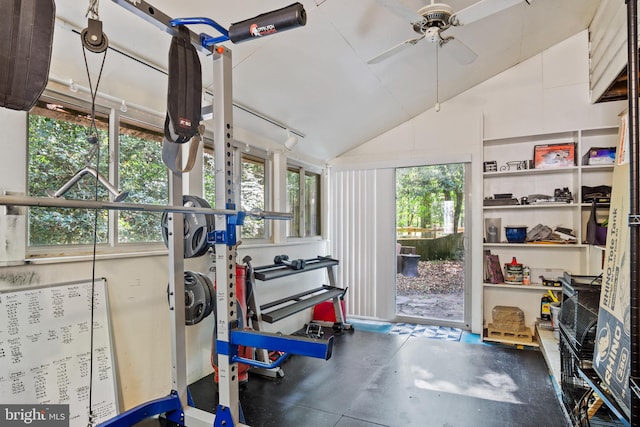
x: 523, y: 336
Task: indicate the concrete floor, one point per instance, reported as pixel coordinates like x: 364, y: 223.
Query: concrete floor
x: 448, y: 307
x: 378, y: 380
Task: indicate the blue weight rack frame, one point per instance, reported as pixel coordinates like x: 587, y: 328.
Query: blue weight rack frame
x: 177, y: 406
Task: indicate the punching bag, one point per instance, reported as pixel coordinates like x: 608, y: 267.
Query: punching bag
x: 26, y: 38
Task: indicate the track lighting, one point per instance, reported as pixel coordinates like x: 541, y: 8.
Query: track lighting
x: 73, y: 87
x: 291, y: 141
x: 123, y: 107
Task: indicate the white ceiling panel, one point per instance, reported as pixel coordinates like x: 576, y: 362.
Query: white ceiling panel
x: 316, y: 79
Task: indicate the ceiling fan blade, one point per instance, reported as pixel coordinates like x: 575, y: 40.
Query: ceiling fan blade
x: 480, y: 10
x: 394, y: 50
x: 399, y: 9
x: 460, y: 51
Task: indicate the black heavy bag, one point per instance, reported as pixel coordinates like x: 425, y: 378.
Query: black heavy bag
x: 26, y: 36
x: 184, y: 95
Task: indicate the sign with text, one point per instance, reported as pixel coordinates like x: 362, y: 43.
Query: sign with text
x: 612, y: 358
x: 46, y: 349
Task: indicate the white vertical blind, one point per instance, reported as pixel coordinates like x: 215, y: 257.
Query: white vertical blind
x: 607, y: 46
x: 354, y: 237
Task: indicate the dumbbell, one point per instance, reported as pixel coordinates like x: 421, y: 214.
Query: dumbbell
x: 296, y: 264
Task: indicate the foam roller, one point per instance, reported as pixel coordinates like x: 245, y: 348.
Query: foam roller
x: 269, y: 23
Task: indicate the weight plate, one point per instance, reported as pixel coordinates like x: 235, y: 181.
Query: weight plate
x: 207, y: 285
x: 195, y: 299
x: 199, y: 297
x: 196, y: 228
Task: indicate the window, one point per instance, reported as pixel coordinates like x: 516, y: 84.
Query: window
x: 252, y: 187
x: 209, y: 178
x: 252, y: 195
x: 58, y: 149
x: 144, y: 176
x: 62, y: 160
x: 293, y: 202
x: 303, y: 201
x: 312, y: 204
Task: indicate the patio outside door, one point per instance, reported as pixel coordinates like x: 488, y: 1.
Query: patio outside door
x: 431, y: 279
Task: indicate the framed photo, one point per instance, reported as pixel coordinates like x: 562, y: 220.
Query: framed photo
x: 554, y: 156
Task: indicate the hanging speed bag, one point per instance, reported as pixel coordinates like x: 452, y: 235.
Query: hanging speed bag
x: 26, y: 36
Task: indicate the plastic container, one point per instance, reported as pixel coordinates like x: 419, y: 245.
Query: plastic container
x: 516, y: 233
x: 555, y: 318
x: 513, y: 272
x: 545, y: 308
x: 526, y: 275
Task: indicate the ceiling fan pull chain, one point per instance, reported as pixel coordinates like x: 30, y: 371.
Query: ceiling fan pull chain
x: 437, y: 78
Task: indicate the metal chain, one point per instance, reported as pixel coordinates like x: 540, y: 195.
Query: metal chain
x: 92, y: 10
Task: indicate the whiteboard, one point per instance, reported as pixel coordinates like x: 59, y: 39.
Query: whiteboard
x: 45, y: 349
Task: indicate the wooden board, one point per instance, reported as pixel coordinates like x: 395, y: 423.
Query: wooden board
x: 523, y: 336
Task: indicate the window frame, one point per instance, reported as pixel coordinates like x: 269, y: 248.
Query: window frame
x: 114, y: 116
x: 260, y: 156
x: 304, y: 171
x: 242, y: 151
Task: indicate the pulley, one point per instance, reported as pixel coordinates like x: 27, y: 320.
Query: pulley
x: 93, y: 38
x: 199, y: 297
x: 196, y: 228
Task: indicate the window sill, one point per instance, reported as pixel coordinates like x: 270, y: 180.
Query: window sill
x: 37, y: 260
x: 291, y: 241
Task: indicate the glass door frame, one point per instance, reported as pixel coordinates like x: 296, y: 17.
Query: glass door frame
x: 465, y: 323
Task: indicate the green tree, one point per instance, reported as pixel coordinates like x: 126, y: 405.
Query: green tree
x: 144, y: 176
x: 58, y: 149
x: 420, y: 192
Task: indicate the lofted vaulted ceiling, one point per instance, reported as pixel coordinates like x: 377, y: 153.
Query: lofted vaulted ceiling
x: 316, y: 79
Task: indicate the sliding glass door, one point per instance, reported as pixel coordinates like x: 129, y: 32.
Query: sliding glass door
x: 431, y: 279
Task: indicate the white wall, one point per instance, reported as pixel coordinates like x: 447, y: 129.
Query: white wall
x: 547, y: 93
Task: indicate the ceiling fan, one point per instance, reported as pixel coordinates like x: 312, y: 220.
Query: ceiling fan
x: 432, y: 20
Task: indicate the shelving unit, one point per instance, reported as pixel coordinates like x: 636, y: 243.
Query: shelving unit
x: 577, y: 258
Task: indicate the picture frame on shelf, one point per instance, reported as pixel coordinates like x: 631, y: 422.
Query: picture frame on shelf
x: 554, y: 156
x: 490, y: 166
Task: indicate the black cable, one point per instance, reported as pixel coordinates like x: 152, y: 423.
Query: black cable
x: 92, y: 138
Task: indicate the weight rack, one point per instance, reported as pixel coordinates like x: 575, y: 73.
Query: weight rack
x: 274, y: 311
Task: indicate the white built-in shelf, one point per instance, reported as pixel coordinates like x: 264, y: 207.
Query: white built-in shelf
x: 535, y: 245
x: 594, y: 168
x: 550, y: 348
x: 578, y: 258
x: 531, y: 287
x: 544, y: 138
x: 522, y: 172
x: 598, y: 205
x: 538, y: 206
